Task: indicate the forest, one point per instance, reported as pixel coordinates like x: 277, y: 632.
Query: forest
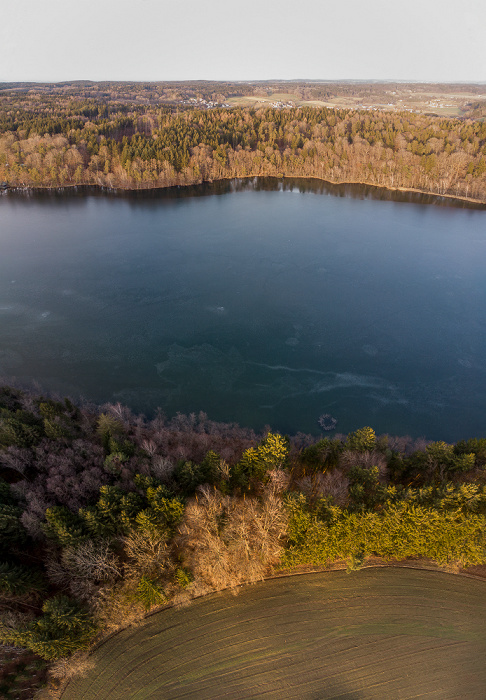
x: 106, y: 515
x: 123, y: 136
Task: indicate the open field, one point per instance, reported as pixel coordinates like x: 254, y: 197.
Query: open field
x: 259, y: 101
x: 394, y: 97
x: 374, y: 634
x: 455, y: 108
x: 441, y: 99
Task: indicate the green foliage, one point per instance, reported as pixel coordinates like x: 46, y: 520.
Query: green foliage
x: 440, y: 452
x: 55, y: 430
x: 50, y: 409
x: 211, y: 467
x: 64, y: 613
x: 59, y: 419
x: 12, y: 532
x: 118, y: 450
x: 7, y: 498
x: 324, y: 454
x: 272, y: 453
x: 438, y: 462
x: 300, y: 519
x: 108, y: 428
x: 65, y: 527
x: 121, y: 447
x: 188, y: 475
x: 113, y: 462
x: 124, y: 141
x: 355, y: 562
x: 442, y: 460
x: 427, y: 515
x: 62, y: 629
x: 150, y: 593
x: 469, y: 498
x: 143, y: 482
x: 325, y: 511
x: 365, y: 490
x: 183, y: 577
x: 362, y: 440
x: 10, y: 398
x: 114, y: 513
x: 19, y: 428
x: 167, y: 511
x: 399, y: 531
x: 18, y: 580
x: 476, y: 446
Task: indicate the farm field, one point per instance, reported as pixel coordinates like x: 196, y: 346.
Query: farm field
x: 374, y: 634
x: 425, y: 99
x: 401, y: 98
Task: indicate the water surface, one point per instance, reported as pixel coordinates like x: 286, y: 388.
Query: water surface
x: 256, y: 302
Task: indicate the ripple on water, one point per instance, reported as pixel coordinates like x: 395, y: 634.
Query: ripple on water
x: 204, y: 363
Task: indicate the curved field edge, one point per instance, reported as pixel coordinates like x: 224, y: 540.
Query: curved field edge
x: 377, y: 633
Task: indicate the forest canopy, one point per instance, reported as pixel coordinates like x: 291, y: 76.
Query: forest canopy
x: 146, y: 136
x: 105, y: 515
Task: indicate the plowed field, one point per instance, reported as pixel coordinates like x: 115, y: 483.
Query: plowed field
x: 387, y: 634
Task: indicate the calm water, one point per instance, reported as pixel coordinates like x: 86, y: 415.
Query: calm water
x: 267, y: 305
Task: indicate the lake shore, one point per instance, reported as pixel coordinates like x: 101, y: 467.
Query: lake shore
x: 17, y: 189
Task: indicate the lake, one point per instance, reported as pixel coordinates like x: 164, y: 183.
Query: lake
x: 262, y: 302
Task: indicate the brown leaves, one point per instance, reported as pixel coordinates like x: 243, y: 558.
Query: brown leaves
x: 227, y: 541
x: 147, y: 554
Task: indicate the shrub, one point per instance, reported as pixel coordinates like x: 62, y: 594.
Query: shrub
x: 362, y: 440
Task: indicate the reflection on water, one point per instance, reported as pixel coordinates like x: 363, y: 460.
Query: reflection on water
x: 265, y: 304
x: 65, y: 196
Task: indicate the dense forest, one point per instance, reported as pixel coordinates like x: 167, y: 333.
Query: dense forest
x: 105, y: 515
x: 135, y: 137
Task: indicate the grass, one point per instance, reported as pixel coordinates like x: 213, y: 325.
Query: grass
x: 373, y: 634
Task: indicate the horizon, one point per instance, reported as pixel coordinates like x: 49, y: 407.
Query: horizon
x: 432, y: 42
x: 251, y: 81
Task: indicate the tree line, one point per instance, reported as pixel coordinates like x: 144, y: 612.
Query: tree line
x: 56, y: 142
x: 105, y: 515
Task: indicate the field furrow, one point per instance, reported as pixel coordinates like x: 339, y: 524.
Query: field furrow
x: 374, y: 634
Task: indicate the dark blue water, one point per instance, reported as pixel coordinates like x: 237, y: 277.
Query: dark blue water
x: 263, y: 306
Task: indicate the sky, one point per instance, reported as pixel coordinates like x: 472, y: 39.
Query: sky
x: 410, y: 40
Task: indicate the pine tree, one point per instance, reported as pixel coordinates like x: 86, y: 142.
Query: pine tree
x: 150, y: 593
x: 362, y: 440
x: 63, y: 629
x: 17, y: 580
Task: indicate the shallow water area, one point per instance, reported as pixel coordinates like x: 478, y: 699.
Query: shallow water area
x: 263, y: 302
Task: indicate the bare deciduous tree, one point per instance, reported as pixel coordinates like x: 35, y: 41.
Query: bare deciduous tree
x: 227, y: 541
x: 92, y: 561
x: 333, y: 484
x: 147, y: 554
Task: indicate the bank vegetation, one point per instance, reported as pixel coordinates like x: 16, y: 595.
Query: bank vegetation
x: 106, y: 515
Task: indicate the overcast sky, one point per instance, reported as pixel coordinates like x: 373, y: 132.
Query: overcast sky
x: 430, y: 40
